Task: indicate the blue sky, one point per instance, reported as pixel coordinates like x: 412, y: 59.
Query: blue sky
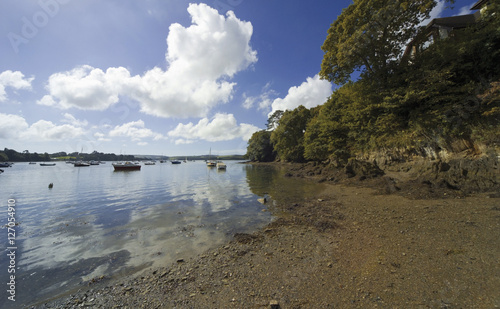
x: 168, y: 77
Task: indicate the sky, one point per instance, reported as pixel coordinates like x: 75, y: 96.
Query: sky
x: 158, y: 77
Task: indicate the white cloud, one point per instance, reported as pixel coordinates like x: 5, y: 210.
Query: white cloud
x: 101, y: 137
x: 183, y: 142
x: 13, y: 80
x: 70, y: 119
x: 44, y: 130
x: 86, y: 88
x: 311, y: 93
x: 222, y: 127
x: 11, y: 126
x: 436, y: 12
x: 136, y: 131
x: 264, y: 100
x: 16, y: 127
x: 201, y: 58
x: 466, y: 9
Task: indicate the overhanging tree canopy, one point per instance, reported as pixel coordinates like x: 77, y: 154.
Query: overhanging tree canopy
x: 369, y: 36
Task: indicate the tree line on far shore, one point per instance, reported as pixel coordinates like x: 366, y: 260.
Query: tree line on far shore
x: 449, y: 91
x: 11, y: 155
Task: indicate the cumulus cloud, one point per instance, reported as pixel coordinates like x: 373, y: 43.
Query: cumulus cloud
x: 11, y: 126
x: 13, y: 80
x: 44, y: 130
x: 16, y: 127
x: 311, y: 93
x: 222, y: 127
x: 86, y: 88
x: 201, y: 58
x: 70, y: 119
x: 136, y: 131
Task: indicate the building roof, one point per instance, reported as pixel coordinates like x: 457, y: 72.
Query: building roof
x: 460, y: 21
x: 478, y: 5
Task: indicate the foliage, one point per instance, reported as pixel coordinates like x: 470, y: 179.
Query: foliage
x: 369, y: 36
x: 449, y: 91
x: 288, y: 137
x: 274, y: 119
x: 260, y: 148
x: 14, y: 156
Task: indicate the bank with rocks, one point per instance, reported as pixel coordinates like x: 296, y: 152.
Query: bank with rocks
x: 371, y: 239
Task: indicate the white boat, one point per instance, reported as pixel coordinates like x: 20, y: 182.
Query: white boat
x: 221, y: 165
x: 80, y: 164
x: 149, y: 163
x: 210, y: 162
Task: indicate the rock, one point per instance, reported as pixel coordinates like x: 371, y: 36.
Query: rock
x: 362, y: 169
x: 274, y: 304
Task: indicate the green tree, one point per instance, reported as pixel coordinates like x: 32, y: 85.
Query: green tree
x: 260, y: 148
x: 288, y: 137
x: 370, y: 36
x: 274, y: 119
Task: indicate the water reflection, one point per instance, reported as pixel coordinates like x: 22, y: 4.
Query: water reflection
x: 95, y: 222
x: 270, y: 180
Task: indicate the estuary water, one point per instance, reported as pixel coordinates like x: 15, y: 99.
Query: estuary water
x: 97, y: 223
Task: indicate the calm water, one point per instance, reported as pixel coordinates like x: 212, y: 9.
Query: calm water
x: 96, y: 222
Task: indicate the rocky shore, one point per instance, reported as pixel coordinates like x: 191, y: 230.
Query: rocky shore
x: 369, y: 240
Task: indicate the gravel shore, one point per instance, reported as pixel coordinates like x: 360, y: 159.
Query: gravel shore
x: 349, y: 247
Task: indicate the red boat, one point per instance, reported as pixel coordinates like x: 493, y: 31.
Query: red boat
x: 127, y: 166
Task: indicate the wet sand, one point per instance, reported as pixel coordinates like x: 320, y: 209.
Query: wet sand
x: 348, y: 247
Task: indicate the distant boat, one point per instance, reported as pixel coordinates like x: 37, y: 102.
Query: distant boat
x: 127, y: 166
x: 5, y: 164
x: 175, y: 162
x: 32, y: 162
x: 210, y: 162
x: 149, y: 163
x: 80, y: 164
x: 47, y: 164
x: 94, y: 162
x: 221, y: 165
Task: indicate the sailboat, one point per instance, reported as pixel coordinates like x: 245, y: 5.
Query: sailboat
x: 79, y: 162
x: 210, y: 162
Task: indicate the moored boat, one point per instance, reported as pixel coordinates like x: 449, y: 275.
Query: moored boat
x: 47, y: 164
x: 175, y: 162
x: 81, y: 163
x: 221, y: 165
x: 5, y: 164
x: 127, y: 166
x: 210, y: 162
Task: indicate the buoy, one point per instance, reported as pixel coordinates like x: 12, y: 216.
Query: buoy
x: 51, y: 185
